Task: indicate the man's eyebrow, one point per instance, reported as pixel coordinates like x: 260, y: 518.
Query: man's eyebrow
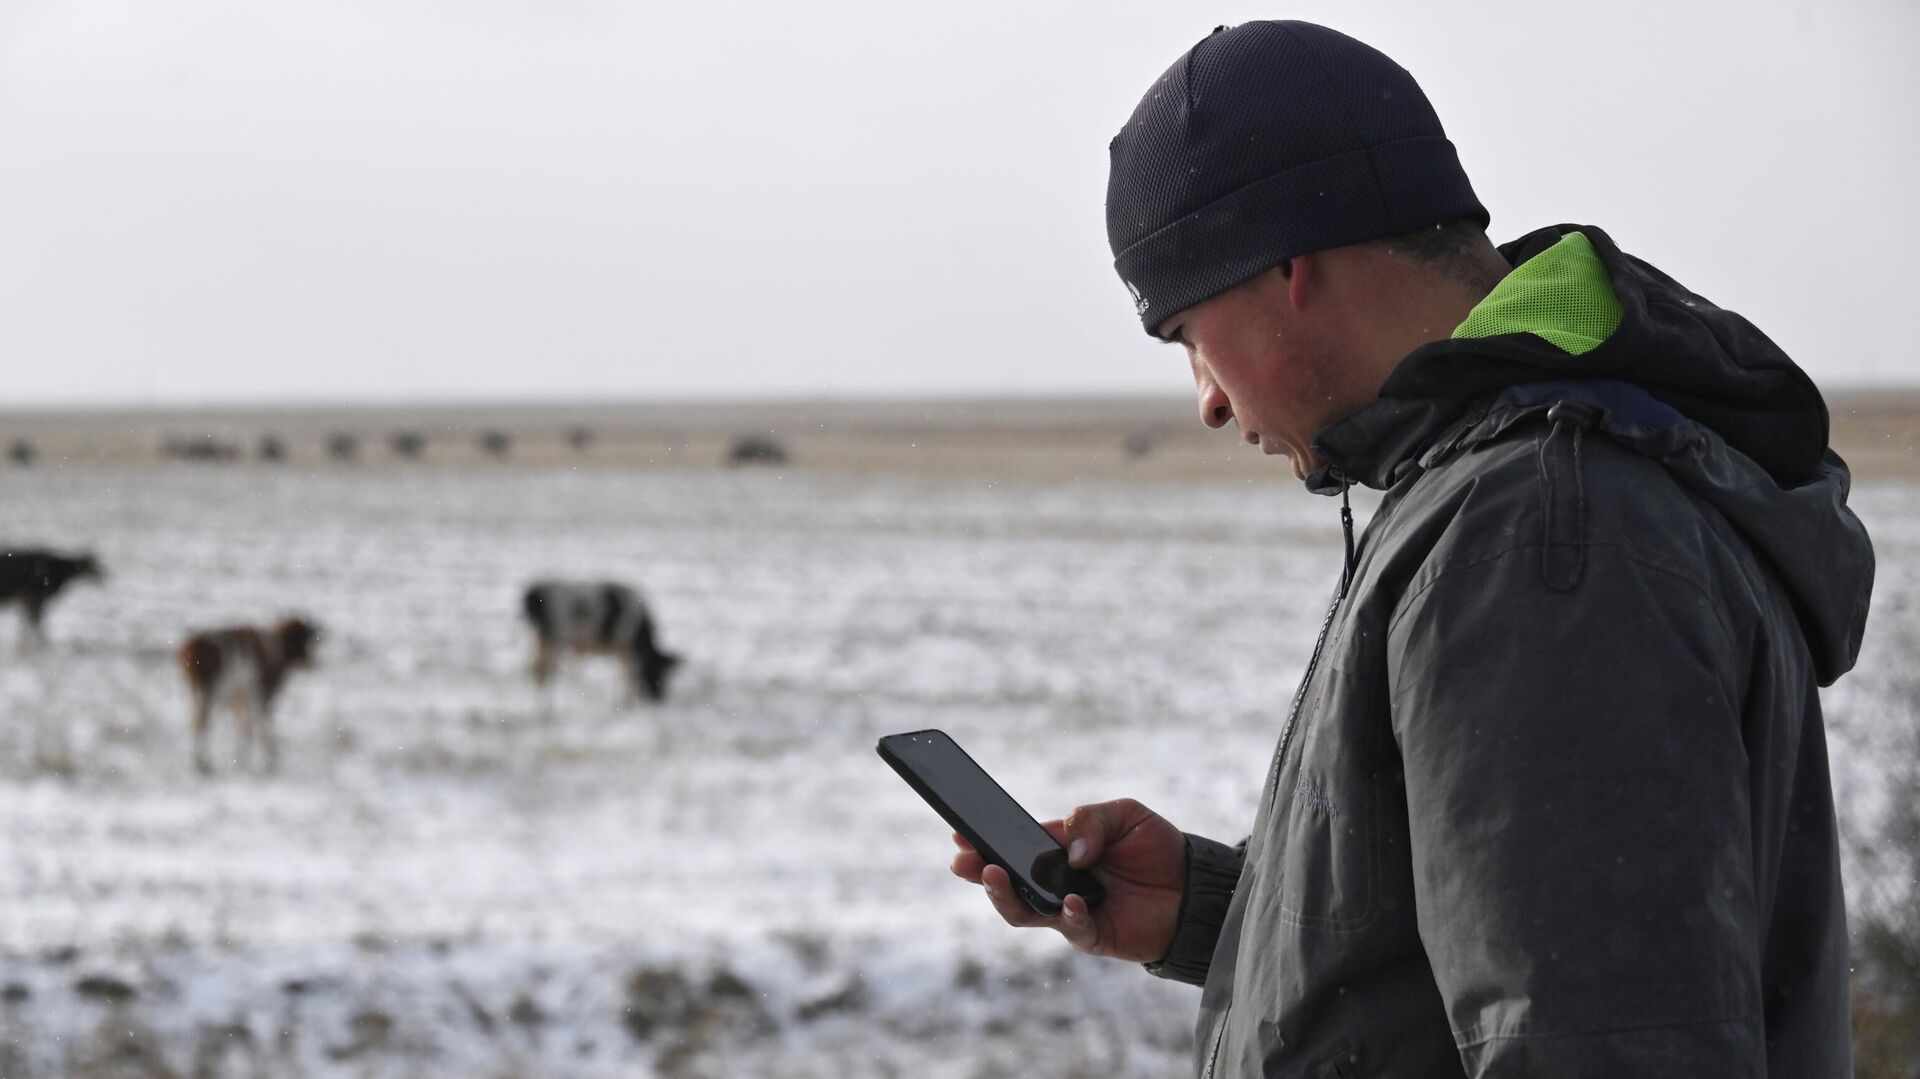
x: 1178, y: 337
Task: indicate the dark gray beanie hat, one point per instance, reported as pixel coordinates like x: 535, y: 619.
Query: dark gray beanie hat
x: 1266, y: 141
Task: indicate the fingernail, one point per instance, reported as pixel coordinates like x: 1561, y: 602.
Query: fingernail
x: 1077, y: 851
x: 1071, y: 915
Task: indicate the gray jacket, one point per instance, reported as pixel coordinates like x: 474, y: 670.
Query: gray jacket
x: 1553, y: 797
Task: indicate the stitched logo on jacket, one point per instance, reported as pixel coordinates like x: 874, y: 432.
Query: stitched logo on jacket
x: 1310, y: 792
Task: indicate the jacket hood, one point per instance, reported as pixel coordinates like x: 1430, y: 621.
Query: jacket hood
x: 1666, y: 372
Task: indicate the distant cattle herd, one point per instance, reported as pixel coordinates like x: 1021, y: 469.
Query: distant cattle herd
x: 243, y: 669
x: 411, y: 445
x: 344, y: 447
x: 407, y: 444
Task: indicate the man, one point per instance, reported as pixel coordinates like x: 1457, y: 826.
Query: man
x: 1552, y: 797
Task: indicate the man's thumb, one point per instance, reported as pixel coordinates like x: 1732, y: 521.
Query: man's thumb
x: 1087, y: 830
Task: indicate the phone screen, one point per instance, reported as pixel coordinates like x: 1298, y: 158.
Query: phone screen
x: 979, y: 809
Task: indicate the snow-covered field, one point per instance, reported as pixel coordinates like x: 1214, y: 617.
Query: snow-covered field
x: 453, y: 875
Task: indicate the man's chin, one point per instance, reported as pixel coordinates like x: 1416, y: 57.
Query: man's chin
x: 1303, y: 464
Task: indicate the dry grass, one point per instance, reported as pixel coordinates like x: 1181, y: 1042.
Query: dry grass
x: 1009, y: 441
x: 1878, y: 432
x: 994, y: 441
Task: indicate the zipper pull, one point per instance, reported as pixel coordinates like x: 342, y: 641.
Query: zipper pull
x: 1346, y: 529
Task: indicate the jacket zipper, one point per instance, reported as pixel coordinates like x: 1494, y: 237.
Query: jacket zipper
x: 1319, y: 644
x: 1219, y: 1035
x: 1293, y: 714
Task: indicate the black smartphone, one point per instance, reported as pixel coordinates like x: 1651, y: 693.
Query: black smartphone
x: 988, y: 817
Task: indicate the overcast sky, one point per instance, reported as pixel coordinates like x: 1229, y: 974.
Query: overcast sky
x: 376, y: 200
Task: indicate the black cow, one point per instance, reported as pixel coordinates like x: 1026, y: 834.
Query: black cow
x: 495, y: 443
x: 756, y: 450
x: 32, y: 576
x: 596, y: 617
x: 408, y: 444
x: 342, y: 446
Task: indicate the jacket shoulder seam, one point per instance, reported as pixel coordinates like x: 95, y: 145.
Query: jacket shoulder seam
x: 1630, y: 552
x: 1466, y: 1039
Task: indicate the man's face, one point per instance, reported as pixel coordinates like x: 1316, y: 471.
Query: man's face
x: 1257, y: 364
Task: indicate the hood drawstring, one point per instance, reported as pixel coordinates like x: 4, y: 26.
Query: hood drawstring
x: 1346, y: 528
x: 1564, y: 494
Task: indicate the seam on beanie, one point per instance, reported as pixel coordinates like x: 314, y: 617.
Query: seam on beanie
x: 1186, y: 80
x: 1353, y: 122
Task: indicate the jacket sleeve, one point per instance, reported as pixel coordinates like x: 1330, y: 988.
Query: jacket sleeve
x: 1213, y: 872
x: 1577, y: 790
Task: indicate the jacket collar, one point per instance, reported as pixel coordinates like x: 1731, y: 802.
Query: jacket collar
x: 1381, y: 443
x: 1708, y: 363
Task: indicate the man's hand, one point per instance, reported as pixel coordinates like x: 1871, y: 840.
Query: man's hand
x: 1135, y: 854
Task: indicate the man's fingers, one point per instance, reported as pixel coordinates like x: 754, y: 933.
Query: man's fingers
x: 1086, y: 832
x: 1076, y: 924
x: 1013, y: 909
x: 961, y: 842
x: 967, y: 866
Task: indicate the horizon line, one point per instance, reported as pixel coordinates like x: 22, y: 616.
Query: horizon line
x: 723, y: 399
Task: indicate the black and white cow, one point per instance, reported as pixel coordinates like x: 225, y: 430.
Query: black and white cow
x: 600, y: 617
x: 32, y: 576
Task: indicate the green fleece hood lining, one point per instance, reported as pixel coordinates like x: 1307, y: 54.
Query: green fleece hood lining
x: 1561, y: 296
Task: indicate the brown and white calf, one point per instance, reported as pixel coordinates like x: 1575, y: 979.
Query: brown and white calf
x: 244, y: 668
x: 32, y: 576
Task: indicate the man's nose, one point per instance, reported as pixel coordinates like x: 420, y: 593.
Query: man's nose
x: 1215, y: 411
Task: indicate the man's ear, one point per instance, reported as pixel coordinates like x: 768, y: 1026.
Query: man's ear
x: 1302, y: 274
